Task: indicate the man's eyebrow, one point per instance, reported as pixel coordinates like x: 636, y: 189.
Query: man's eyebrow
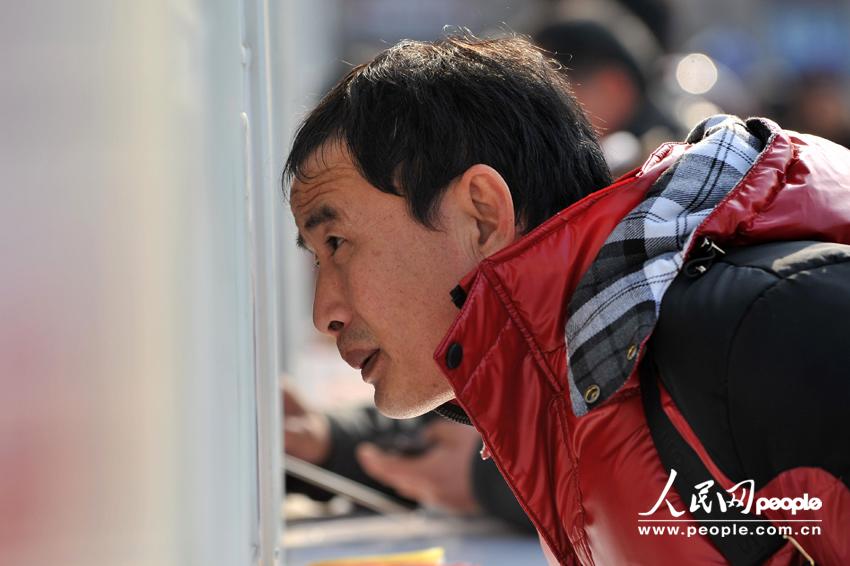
x: 320, y: 216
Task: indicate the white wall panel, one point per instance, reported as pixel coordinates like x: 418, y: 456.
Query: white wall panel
x: 131, y: 273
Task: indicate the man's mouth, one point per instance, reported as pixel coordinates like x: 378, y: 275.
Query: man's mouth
x: 369, y: 365
x: 364, y: 360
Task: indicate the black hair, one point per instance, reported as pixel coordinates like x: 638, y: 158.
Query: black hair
x: 421, y: 113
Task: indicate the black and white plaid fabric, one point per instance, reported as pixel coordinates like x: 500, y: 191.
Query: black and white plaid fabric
x: 617, y: 302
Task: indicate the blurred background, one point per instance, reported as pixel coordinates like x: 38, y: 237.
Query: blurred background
x: 151, y: 295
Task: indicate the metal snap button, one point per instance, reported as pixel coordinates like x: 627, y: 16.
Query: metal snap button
x: 591, y: 394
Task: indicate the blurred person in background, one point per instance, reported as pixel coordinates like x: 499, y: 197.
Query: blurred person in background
x: 818, y: 103
x: 614, y: 345
x: 428, y: 460
x: 612, y: 88
x: 643, y: 25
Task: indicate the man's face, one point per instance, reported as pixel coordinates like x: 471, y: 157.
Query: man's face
x: 383, y: 282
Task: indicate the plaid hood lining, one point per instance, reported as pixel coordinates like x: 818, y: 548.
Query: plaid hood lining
x: 616, y: 304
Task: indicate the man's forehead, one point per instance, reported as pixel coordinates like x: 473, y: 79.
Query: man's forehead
x: 328, y: 163
x: 317, y: 196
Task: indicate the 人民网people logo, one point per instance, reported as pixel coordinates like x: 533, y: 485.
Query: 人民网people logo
x: 740, y: 496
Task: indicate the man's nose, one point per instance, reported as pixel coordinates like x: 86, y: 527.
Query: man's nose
x: 331, y: 313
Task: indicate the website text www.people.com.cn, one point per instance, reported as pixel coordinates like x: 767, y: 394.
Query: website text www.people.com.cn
x: 725, y: 529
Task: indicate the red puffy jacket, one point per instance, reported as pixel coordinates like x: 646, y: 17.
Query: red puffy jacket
x: 583, y: 480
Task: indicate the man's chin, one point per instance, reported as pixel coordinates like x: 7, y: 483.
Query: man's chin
x: 408, y: 406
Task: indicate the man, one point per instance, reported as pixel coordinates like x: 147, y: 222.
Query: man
x: 687, y: 318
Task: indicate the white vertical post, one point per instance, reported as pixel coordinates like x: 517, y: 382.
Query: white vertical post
x: 264, y: 207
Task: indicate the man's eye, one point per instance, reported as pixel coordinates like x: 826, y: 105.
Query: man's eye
x: 333, y: 243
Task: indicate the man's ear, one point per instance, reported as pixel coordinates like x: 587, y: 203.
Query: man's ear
x: 484, y: 201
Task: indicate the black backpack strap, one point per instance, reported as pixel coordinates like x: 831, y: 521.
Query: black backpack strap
x: 675, y: 453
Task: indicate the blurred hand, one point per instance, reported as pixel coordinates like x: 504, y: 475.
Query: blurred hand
x: 306, y: 433
x: 441, y: 477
